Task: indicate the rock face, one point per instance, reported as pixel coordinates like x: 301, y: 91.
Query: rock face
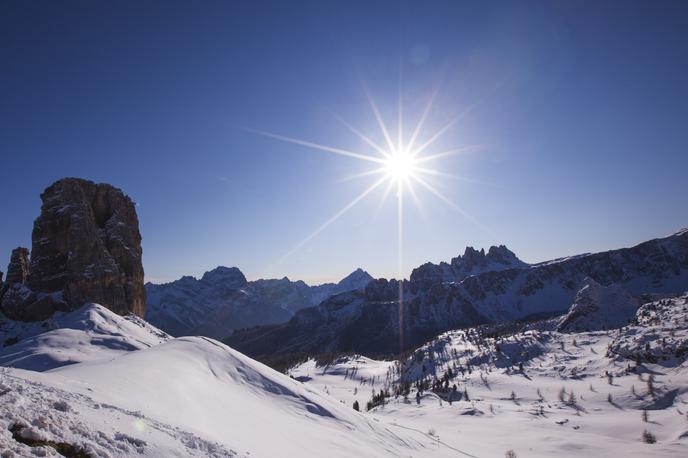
x: 18, y: 268
x: 86, y: 247
x: 473, y: 262
x: 222, y: 301
x: 17, y: 272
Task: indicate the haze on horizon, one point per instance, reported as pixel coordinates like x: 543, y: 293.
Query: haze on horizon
x: 579, y: 113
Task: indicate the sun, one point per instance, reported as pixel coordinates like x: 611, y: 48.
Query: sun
x: 401, y: 162
x: 400, y: 166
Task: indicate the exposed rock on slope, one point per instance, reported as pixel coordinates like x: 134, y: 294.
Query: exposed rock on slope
x: 222, y: 300
x: 18, y: 268
x: 86, y: 247
x: 598, y: 307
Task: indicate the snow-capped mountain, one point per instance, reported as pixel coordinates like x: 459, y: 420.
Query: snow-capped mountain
x: 369, y: 321
x: 355, y: 281
x: 223, y: 300
x: 598, y: 307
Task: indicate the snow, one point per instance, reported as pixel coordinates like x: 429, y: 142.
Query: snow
x: 492, y: 422
x: 189, y: 396
x: 90, y: 333
x: 597, y: 307
x: 130, y: 390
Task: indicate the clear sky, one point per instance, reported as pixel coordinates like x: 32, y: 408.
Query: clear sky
x: 579, y: 108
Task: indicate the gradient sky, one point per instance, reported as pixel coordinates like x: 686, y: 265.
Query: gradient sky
x: 580, y: 108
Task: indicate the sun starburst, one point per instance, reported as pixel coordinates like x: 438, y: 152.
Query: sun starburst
x: 400, y: 164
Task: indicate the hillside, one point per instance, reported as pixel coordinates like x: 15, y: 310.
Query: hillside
x: 541, y: 393
x: 189, y: 396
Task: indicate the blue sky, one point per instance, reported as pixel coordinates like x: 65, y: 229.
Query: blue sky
x: 579, y: 109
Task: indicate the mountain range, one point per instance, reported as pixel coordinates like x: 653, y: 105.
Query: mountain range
x: 473, y: 289
x: 222, y: 300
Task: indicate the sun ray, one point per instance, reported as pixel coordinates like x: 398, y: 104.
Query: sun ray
x: 402, y: 166
x: 465, y: 112
x: 400, y: 265
x: 329, y: 149
x: 437, y: 135
x: 327, y: 223
x: 362, y: 136
x: 451, y: 152
x: 423, y: 117
x: 380, y: 122
x: 449, y: 202
x: 367, y: 173
x: 400, y: 118
x: 415, y: 198
x: 383, y: 199
x: 434, y: 172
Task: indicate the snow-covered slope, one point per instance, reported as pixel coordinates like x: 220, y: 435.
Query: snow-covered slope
x: 190, y: 396
x: 598, y: 307
x: 484, y: 391
x: 538, y: 392
x: 223, y: 300
x: 658, y: 335
x: 89, y: 333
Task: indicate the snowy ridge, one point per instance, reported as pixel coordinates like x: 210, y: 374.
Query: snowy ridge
x: 598, y: 307
x: 89, y: 333
x: 191, y: 396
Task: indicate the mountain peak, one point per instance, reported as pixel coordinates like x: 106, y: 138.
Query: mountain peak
x: 232, y: 276
x: 357, y: 279
x: 474, y: 260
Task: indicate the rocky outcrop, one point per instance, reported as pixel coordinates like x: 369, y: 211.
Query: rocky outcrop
x: 18, y: 268
x: 86, y: 247
x: 473, y: 262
